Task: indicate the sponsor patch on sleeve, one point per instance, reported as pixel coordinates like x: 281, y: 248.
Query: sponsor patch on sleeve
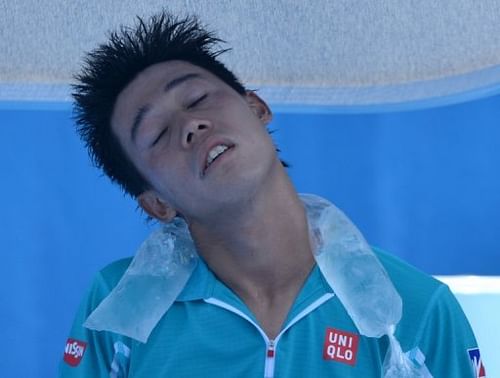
x: 73, y: 352
x: 477, y: 362
x: 341, y: 346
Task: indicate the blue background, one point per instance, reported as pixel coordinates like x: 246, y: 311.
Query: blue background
x: 423, y: 184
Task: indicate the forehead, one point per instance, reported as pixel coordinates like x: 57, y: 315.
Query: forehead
x: 154, y: 78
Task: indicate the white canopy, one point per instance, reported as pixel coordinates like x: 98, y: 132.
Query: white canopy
x: 348, y: 55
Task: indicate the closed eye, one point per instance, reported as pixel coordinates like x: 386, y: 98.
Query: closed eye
x: 190, y: 106
x: 159, y: 136
x: 197, y: 101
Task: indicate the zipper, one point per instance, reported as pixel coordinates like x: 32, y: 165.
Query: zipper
x: 270, y: 359
x: 270, y: 344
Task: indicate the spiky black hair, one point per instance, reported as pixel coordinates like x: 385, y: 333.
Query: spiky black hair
x: 109, y: 68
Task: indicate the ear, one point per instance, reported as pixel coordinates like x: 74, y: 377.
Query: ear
x: 259, y: 107
x: 155, y: 207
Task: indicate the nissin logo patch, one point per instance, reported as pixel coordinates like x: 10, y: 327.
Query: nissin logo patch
x: 73, y: 352
x: 340, y: 346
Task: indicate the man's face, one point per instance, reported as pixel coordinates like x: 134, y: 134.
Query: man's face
x: 198, y: 143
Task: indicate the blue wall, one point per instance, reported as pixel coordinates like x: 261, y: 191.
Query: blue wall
x: 424, y: 185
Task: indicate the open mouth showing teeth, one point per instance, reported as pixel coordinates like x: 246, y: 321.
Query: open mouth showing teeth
x: 215, y: 153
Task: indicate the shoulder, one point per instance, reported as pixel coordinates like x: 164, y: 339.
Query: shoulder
x: 103, y: 282
x: 421, y: 293
x: 432, y: 321
x: 96, y: 351
x: 113, y: 272
x: 409, y: 280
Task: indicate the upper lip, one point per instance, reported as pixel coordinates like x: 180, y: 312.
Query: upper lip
x: 206, y: 147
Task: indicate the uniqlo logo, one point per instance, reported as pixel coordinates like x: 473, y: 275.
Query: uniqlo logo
x: 340, y: 346
x: 73, y: 352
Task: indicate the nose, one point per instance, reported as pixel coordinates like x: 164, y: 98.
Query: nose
x: 193, y: 130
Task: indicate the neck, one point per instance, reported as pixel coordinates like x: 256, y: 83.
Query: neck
x: 260, y: 248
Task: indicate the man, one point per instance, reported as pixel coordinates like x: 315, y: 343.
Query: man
x: 176, y: 130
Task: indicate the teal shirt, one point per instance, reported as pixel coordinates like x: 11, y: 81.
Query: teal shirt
x: 210, y: 332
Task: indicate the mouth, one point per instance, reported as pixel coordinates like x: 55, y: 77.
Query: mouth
x: 215, y: 153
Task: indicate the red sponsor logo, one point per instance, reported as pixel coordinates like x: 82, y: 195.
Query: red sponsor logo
x: 340, y: 346
x: 73, y: 352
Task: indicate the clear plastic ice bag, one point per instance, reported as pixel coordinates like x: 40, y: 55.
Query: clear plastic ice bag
x: 154, y: 279
x: 352, y: 269
x: 360, y: 281
x: 398, y: 364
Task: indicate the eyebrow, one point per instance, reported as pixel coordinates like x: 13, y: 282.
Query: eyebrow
x: 143, y: 110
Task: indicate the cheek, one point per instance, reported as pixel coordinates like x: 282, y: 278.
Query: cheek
x: 168, y: 179
x: 260, y: 137
x: 160, y: 159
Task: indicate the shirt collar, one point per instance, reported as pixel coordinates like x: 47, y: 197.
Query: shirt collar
x: 203, y: 284
x: 200, y: 285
